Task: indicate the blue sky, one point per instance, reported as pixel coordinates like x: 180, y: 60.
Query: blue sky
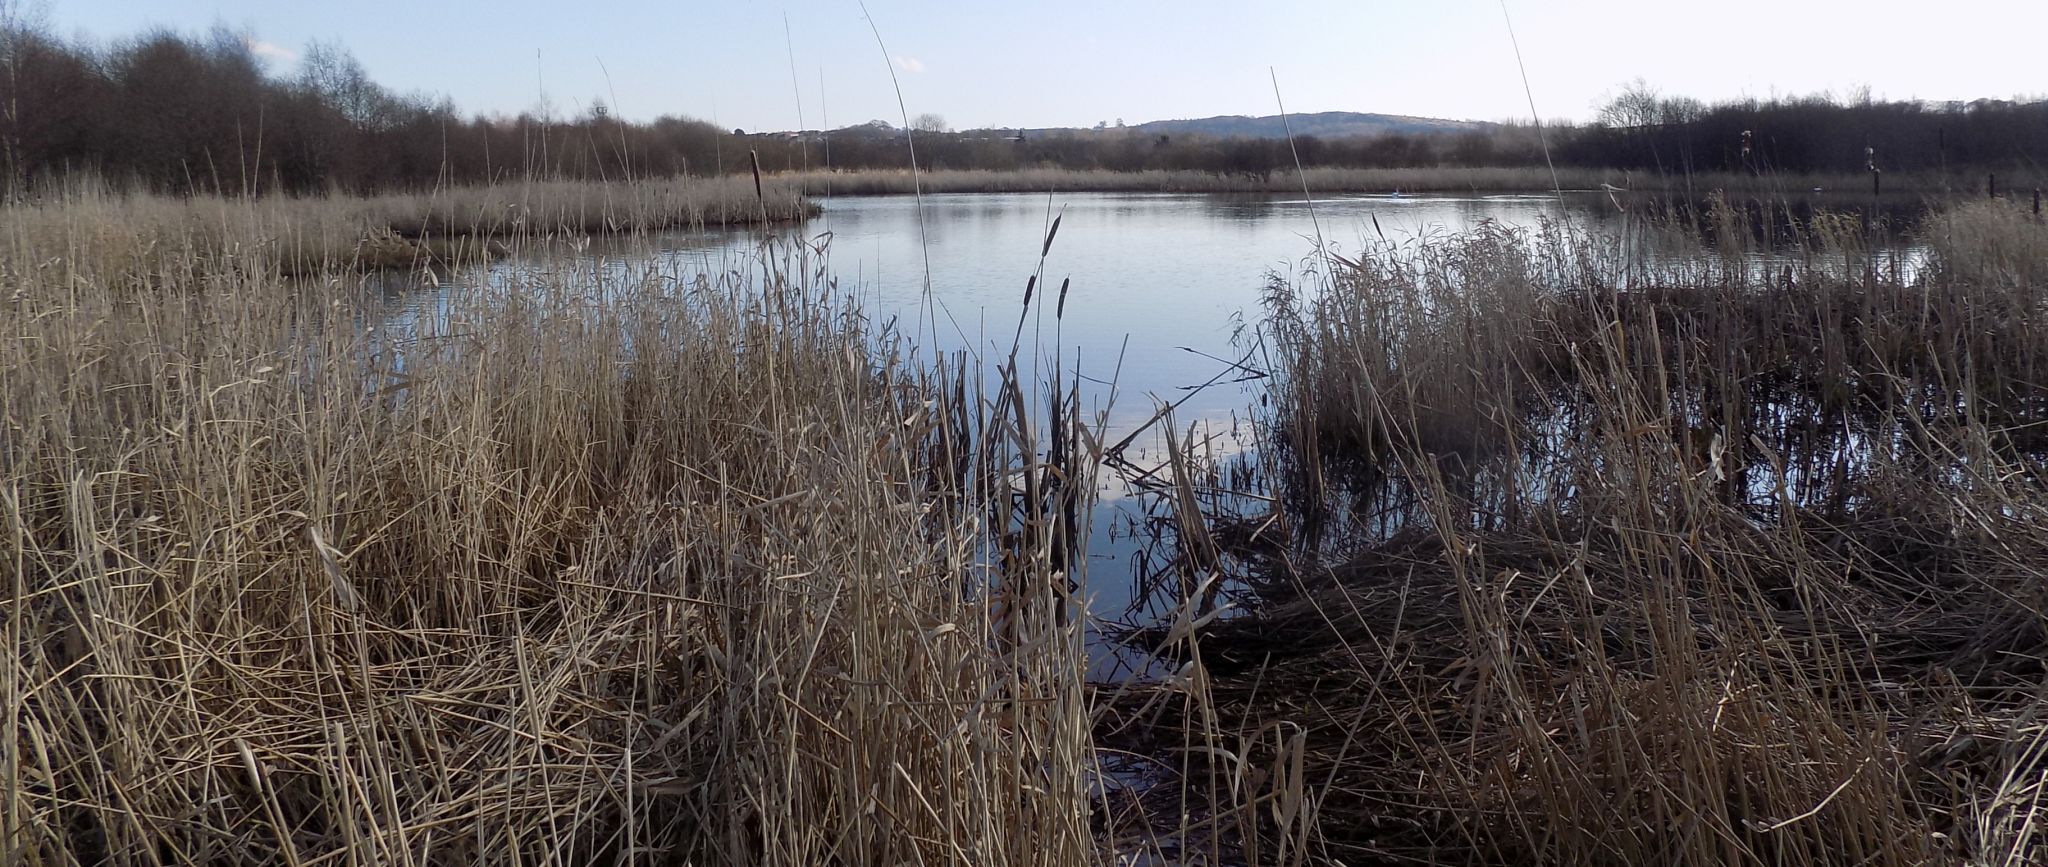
x: 1064, y: 63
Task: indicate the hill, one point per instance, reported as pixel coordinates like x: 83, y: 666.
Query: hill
x: 1327, y: 124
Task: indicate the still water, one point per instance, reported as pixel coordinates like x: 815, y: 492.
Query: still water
x: 1160, y: 283
x: 1161, y: 287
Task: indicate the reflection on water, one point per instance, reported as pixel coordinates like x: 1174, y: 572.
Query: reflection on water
x: 1175, y: 274
x: 1162, y: 285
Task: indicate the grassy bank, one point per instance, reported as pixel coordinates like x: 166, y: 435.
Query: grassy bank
x: 1335, y: 180
x: 108, y: 229
x: 1583, y: 560
x: 698, y: 574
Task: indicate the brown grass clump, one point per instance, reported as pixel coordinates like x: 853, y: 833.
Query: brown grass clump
x: 1989, y: 242
x: 579, y: 566
x: 1593, y: 559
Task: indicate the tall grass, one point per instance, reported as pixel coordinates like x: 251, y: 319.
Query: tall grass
x: 1585, y: 558
x: 583, y: 564
x: 112, y: 230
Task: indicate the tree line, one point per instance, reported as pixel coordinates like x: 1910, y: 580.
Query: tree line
x: 202, y: 113
x: 1644, y: 130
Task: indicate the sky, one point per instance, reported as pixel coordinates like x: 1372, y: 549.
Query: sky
x: 766, y: 66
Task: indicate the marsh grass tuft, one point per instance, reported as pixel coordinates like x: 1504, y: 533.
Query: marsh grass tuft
x: 1598, y: 558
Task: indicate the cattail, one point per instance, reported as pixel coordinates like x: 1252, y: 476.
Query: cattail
x: 1029, y: 285
x: 1055, y: 230
x: 755, y: 157
x: 1060, y: 309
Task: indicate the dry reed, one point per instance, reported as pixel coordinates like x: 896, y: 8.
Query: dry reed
x: 575, y: 565
x: 1588, y: 557
x: 1581, y: 552
x: 132, y: 233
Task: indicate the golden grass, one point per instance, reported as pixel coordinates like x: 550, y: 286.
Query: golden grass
x: 583, y: 566
x: 133, y: 233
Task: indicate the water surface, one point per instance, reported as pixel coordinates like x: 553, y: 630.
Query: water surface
x: 1160, y: 288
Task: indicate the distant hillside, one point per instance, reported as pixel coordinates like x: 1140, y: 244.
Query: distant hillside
x: 1328, y: 124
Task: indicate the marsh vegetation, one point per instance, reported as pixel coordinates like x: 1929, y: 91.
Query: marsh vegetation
x: 1573, y: 561
x: 592, y: 565
x: 1548, y: 553
x: 1543, y: 549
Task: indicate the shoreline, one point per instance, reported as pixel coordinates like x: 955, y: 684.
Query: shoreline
x: 304, y: 235
x: 1349, y: 181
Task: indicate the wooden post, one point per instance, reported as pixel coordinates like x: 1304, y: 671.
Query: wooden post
x: 1991, y: 185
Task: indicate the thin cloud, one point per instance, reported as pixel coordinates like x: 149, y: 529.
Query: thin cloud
x: 261, y: 48
x: 910, y: 64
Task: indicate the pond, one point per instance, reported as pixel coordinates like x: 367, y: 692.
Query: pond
x: 1160, y: 287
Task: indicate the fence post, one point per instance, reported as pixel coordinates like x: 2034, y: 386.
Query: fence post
x: 1991, y: 185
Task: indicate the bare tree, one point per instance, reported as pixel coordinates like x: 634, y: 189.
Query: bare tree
x: 17, y: 25
x: 334, y: 74
x: 1635, y: 106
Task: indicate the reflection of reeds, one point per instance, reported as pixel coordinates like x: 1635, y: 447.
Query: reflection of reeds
x: 698, y: 573
x: 1598, y: 561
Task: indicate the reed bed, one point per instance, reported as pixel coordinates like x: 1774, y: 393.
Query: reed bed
x: 1581, y: 556
x: 132, y: 233
x: 1563, y: 549
x: 575, y: 565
